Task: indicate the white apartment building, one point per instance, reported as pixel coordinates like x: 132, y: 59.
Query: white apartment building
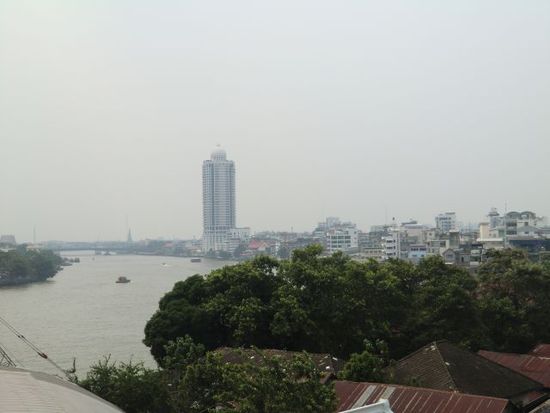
x: 513, y: 223
x: 446, y: 221
x: 342, y: 239
x: 391, y: 244
x: 236, y: 236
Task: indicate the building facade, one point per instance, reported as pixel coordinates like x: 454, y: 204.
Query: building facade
x: 218, y: 201
x: 342, y: 239
x: 446, y: 222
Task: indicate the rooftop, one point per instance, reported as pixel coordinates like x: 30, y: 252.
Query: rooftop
x: 534, y: 367
x: 444, y: 366
x: 542, y: 350
x: 404, y: 399
x: 32, y: 392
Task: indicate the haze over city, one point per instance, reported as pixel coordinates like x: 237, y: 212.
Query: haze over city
x: 359, y: 109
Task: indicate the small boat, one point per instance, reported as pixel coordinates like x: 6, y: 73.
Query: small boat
x: 196, y: 259
x: 122, y: 280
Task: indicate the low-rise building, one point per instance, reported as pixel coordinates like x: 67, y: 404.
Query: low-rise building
x: 370, y: 253
x: 444, y: 366
x: 342, y: 239
x: 535, y: 367
x: 417, y: 252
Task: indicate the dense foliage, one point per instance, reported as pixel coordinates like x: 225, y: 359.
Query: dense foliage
x: 130, y: 386
x: 514, y: 296
x: 198, y: 382
x: 273, y: 386
x: 299, y: 304
x: 22, y: 265
x: 368, y: 365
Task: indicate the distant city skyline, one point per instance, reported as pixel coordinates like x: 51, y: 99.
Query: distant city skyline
x: 362, y: 110
x: 435, y: 222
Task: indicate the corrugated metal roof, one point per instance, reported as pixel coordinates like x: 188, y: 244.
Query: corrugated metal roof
x: 536, y: 368
x: 444, y: 366
x: 542, y: 350
x: 32, y: 392
x: 404, y: 399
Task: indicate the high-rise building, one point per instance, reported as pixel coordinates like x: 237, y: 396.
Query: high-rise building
x: 218, y: 201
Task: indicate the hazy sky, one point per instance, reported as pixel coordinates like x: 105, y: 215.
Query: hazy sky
x: 346, y: 108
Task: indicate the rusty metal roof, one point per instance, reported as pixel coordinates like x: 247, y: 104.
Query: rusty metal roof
x: 444, y: 366
x: 542, y: 350
x: 536, y: 368
x: 404, y: 399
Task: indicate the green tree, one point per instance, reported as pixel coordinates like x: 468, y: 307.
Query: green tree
x: 181, y: 353
x: 22, y: 265
x: 229, y: 307
x: 14, y: 265
x: 368, y: 365
x: 44, y: 264
x: 444, y: 306
x: 130, y: 386
x: 514, y: 296
x: 271, y: 385
x: 283, y: 252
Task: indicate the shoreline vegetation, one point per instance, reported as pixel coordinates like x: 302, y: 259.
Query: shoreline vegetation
x: 22, y: 266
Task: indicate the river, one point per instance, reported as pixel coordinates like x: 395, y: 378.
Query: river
x: 83, y: 313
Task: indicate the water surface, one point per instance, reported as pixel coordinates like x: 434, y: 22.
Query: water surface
x: 83, y: 313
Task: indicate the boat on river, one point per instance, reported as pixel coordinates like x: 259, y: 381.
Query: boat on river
x: 196, y: 259
x: 122, y: 280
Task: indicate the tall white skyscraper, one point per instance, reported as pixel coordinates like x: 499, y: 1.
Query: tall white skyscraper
x: 218, y: 201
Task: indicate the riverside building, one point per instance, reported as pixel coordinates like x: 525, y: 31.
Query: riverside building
x: 218, y: 202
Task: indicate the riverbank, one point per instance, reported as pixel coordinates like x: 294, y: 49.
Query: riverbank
x: 22, y: 266
x: 20, y: 281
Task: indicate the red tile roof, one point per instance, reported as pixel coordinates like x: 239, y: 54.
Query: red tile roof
x: 404, y: 399
x: 536, y: 368
x: 257, y: 245
x: 542, y: 350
